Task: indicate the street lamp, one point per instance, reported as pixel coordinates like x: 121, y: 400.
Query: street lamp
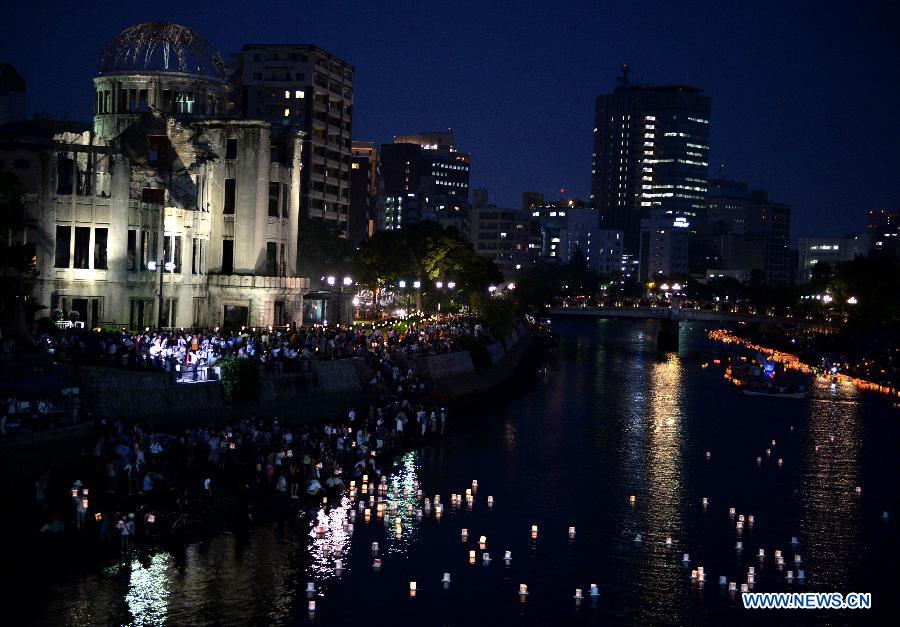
x: 347, y: 281
x: 152, y: 266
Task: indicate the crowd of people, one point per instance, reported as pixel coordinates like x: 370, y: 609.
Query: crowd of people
x: 138, y: 481
x: 191, y: 353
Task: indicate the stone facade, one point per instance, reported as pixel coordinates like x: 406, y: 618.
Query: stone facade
x: 165, y: 178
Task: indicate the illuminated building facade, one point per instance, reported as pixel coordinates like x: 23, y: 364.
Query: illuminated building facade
x: 164, y: 183
x: 424, y: 177
x: 650, y: 159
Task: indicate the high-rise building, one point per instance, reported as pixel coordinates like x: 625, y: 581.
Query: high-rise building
x: 363, y: 191
x: 830, y: 250
x: 302, y: 87
x: 12, y: 94
x: 424, y: 177
x: 651, y: 147
x: 743, y: 231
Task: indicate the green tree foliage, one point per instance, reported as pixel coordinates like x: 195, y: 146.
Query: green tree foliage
x: 424, y: 252
x: 240, y: 380
x: 323, y: 253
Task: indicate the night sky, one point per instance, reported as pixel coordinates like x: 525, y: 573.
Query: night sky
x: 804, y: 95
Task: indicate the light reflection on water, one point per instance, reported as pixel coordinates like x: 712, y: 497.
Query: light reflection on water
x: 608, y: 417
x: 148, y: 592
x: 831, y: 521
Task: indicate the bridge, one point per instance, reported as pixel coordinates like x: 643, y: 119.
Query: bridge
x: 670, y: 317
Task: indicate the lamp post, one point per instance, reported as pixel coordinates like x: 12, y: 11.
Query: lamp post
x: 402, y: 285
x: 330, y: 280
x: 347, y: 282
x: 153, y: 266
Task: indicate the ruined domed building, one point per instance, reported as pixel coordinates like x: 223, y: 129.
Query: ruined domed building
x: 165, y: 182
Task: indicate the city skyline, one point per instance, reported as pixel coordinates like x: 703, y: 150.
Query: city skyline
x: 773, y: 89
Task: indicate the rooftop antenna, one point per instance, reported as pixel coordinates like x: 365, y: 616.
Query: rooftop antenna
x: 623, y: 80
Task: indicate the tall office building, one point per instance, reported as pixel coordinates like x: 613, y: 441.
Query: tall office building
x: 424, y: 177
x: 650, y: 159
x: 363, y: 190
x: 745, y: 231
x: 305, y: 88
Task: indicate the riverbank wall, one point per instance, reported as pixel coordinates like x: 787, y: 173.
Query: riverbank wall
x: 326, y: 388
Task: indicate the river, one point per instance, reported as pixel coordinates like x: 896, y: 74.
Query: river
x: 608, y: 417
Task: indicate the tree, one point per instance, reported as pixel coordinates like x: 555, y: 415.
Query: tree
x: 322, y: 253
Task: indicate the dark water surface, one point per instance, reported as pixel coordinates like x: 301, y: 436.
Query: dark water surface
x: 606, y: 418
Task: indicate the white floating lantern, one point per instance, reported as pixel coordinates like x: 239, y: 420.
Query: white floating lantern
x: 731, y: 511
x: 507, y: 555
x: 571, y: 532
x: 632, y: 499
x: 376, y: 564
x: 412, y: 586
x: 490, y: 501
x: 523, y: 589
x: 595, y: 591
x: 464, y: 534
x: 446, y: 578
x: 312, y: 607
x: 578, y: 594
x: 668, y: 540
x: 311, y: 587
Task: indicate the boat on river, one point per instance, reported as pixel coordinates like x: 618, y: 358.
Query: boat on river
x: 777, y: 392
